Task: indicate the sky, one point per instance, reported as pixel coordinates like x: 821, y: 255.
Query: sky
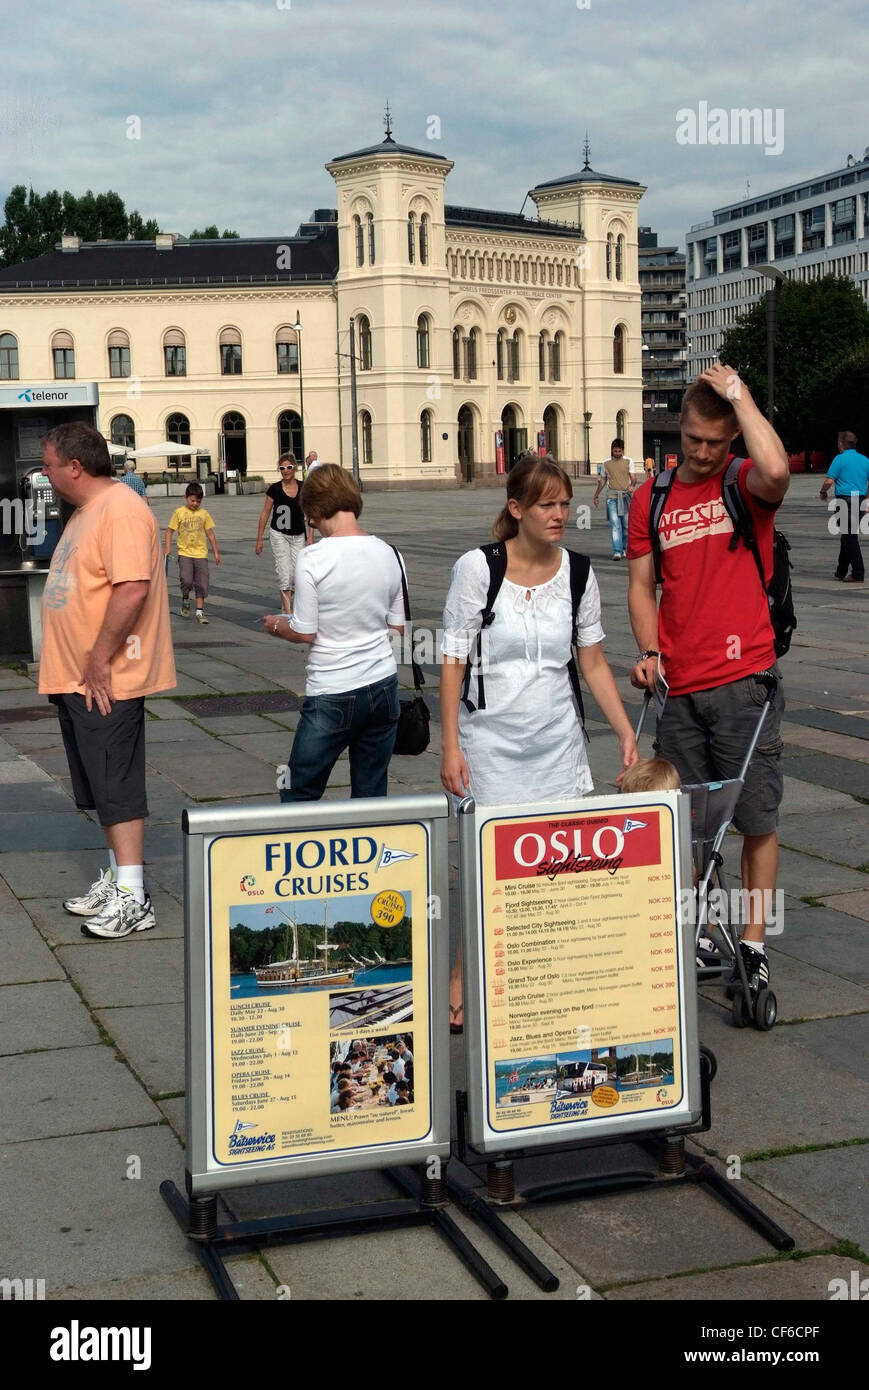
x: 242, y: 102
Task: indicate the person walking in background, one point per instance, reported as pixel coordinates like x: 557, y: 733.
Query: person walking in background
x: 193, y: 524
x: 619, y: 483
x: 106, y: 645
x: 132, y: 479
x: 849, y: 473
x: 282, y: 512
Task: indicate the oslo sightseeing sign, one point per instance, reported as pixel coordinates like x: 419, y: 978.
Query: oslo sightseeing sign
x: 583, y: 1024
x: 316, y: 970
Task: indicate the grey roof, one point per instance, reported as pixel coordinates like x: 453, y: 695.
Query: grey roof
x: 587, y: 175
x: 389, y: 146
x: 490, y: 221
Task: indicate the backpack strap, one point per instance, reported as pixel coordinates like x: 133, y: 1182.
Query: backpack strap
x: 737, y: 509
x: 580, y: 565
x: 496, y: 559
x: 418, y: 677
x: 661, y: 485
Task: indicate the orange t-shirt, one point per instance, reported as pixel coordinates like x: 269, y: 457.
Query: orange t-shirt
x: 112, y: 539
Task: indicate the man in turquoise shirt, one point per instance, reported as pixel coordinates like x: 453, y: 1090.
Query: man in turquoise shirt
x: 850, y: 474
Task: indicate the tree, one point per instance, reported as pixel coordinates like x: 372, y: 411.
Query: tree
x: 820, y: 324
x: 34, y: 223
x: 210, y: 233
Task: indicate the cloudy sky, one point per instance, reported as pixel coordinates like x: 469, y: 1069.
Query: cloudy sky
x: 241, y: 102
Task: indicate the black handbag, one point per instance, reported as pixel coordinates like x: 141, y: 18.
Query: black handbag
x: 413, y: 734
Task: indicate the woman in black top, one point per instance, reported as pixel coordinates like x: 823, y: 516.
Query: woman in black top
x: 286, y: 527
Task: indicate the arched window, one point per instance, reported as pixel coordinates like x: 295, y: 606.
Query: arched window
x: 174, y: 353
x: 457, y: 353
x: 422, y: 341
x: 411, y: 237
x: 609, y: 256
x: 488, y: 267
x: 8, y: 357
x: 464, y: 263
x: 230, y: 352
x: 541, y: 355
x: 471, y: 355
x: 119, y: 354
x: 178, y: 429
x: 63, y: 356
x: 366, y: 432
x: 551, y: 273
x: 472, y: 268
x: 234, y: 430
x: 369, y: 218
x: 358, y: 240
x: 619, y: 349
x: 515, y: 355
x: 620, y: 257
x: 534, y: 272
x: 290, y: 433
x: 365, y: 354
x: 550, y: 426
x: 508, y: 269
x: 499, y: 351
x: 123, y: 432
x: 524, y: 270
x: 621, y: 423
x: 287, y: 350
x: 555, y: 357
x: 425, y: 436
x: 559, y: 272
x: 423, y: 239
x: 498, y: 268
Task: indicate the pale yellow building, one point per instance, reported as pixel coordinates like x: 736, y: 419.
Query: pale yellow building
x: 467, y: 323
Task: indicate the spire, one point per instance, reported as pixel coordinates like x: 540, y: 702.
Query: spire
x: 586, y: 151
x: 387, y: 121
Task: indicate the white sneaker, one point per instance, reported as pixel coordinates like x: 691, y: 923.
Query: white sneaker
x: 200, y: 615
x: 95, y: 899
x: 121, y: 916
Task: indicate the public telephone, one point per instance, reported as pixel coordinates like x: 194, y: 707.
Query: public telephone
x: 41, y: 520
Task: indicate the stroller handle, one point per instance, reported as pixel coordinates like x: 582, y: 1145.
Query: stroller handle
x: 647, y: 700
x: 770, y: 680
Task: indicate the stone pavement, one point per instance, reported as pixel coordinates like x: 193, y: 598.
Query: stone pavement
x: 91, y: 1033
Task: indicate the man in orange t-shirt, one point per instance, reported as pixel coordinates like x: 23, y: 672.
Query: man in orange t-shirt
x: 106, y: 645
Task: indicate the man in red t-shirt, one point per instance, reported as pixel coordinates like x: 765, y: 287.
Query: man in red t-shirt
x: 713, y: 632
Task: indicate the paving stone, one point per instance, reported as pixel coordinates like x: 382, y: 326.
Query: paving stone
x: 23, y: 831
x: 12, y: 680
x: 829, y: 1186
x: 15, y: 770
x: 854, y: 904
x: 151, y: 1038
x: 158, y: 731
x: 272, y: 747
x: 76, y: 1090
x: 843, y: 1042
x: 787, y: 1280
x: 835, y: 745
x: 222, y: 774
x: 800, y: 797
x: 221, y: 676
x: 7, y: 752
x: 34, y: 797
x: 249, y: 1276
x: 90, y: 1224
x: 802, y: 991
x: 139, y: 971
x: 842, y: 836
x: 174, y: 1108
x: 51, y: 873
x: 49, y: 1015
x: 59, y: 927
x: 222, y: 725
x: 165, y: 709
x: 832, y: 941
x: 23, y: 954
x: 21, y: 697
x: 799, y: 875
x: 29, y: 737
x: 54, y: 763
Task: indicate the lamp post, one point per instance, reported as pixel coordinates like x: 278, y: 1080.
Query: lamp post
x: 587, y: 418
x: 773, y: 294
x: 354, y: 413
x: 297, y: 329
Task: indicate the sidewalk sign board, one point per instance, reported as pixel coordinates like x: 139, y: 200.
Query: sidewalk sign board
x: 581, y: 1021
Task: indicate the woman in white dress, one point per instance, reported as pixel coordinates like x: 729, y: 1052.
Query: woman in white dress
x: 527, y: 742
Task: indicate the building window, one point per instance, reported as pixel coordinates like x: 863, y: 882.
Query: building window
x: 499, y: 351
x: 541, y: 356
x: 498, y: 268
x: 619, y: 350
x: 559, y: 273
x: 471, y: 356
x: 119, y: 362
x: 288, y: 357
x: 365, y: 354
x: 369, y: 218
x: 366, y: 432
x: 514, y: 345
x: 230, y: 359
x: 178, y: 429
x: 63, y: 355
x: 609, y: 256
x: 621, y: 424
x: 473, y: 268
x: 620, y: 257
x: 550, y: 426
x: 425, y: 437
x: 290, y: 433
x: 8, y: 357
x: 423, y: 239
x: 411, y: 237
x: 508, y: 269
x: 358, y: 240
x: 555, y: 357
x: 457, y: 353
x: 123, y: 432
x: 422, y: 341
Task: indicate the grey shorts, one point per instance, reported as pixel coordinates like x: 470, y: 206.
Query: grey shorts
x: 706, y: 735
x: 193, y: 575
x: 106, y: 756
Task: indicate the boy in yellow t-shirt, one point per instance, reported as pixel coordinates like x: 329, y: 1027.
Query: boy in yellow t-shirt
x: 193, y: 524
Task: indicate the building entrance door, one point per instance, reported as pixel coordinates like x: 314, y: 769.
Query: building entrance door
x: 466, y: 443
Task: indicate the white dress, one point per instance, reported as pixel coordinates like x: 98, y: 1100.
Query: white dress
x: 527, y: 744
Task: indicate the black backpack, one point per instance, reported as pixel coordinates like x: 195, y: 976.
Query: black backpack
x: 496, y: 558
x: 779, y: 593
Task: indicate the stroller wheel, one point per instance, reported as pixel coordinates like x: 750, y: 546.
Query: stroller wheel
x: 739, y: 1013
x: 709, y: 1061
x: 765, y: 1010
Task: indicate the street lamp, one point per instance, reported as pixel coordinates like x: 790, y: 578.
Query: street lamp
x: 297, y: 329
x: 773, y: 294
x: 587, y: 418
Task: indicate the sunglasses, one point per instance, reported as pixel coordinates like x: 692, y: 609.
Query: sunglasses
x: 288, y: 468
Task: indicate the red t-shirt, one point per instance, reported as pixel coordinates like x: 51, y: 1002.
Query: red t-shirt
x: 713, y: 622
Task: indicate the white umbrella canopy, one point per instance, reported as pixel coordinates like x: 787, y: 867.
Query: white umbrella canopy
x: 164, y: 450
x: 116, y: 450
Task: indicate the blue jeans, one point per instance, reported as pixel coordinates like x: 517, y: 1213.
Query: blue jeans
x: 618, y: 524
x: 363, y: 720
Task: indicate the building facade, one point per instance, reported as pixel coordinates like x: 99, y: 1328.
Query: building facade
x: 662, y: 281
x: 472, y: 329
x: 806, y: 230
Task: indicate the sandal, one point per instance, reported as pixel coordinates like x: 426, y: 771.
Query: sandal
x: 456, y: 1011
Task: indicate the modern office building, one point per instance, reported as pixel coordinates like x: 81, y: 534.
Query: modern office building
x: 474, y: 329
x: 807, y: 230
x: 662, y: 282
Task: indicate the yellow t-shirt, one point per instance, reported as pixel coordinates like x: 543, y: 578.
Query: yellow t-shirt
x: 112, y: 539
x: 191, y: 528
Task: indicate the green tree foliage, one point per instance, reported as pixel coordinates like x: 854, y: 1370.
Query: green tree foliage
x: 35, y: 222
x: 820, y: 325
x: 211, y: 233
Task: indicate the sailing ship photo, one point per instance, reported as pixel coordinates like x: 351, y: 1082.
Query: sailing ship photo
x: 319, y: 944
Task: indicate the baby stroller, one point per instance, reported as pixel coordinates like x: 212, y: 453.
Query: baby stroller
x: 717, y: 939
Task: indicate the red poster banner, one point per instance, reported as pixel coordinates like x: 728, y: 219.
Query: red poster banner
x: 578, y: 844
